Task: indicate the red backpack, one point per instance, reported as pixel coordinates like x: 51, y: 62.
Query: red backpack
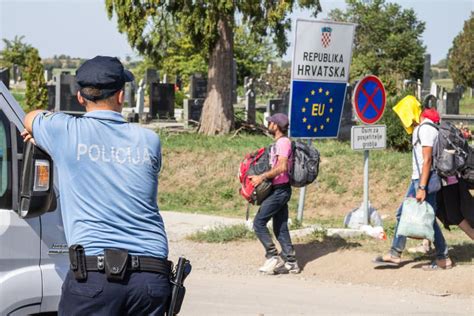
x: 255, y: 163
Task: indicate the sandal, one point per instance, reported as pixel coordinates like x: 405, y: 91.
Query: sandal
x: 433, y: 266
x: 393, y: 261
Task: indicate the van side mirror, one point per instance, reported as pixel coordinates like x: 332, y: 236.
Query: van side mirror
x: 37, y: 191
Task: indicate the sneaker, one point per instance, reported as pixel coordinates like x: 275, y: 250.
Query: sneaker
x: 270, y: 265
x: 288, y: 267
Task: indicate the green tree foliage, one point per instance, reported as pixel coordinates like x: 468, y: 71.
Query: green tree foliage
x: 15, y: 52
x: 461, y: 55
x: 387, y: 41
x: 210, y: 26
x: 36, y: 96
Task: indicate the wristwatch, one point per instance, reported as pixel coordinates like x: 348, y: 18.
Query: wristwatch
x: 422, y: 187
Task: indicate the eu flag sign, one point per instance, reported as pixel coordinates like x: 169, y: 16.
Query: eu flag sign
x: 316, y: 109
x: 320, y: 72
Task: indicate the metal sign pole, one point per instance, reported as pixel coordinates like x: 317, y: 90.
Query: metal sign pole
x: 366, y: 187
x: 299, y: 217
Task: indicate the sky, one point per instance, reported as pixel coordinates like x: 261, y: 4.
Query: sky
x: 81, y: 28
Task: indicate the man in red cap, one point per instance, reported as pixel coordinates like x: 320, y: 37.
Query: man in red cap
x: 275, y: 206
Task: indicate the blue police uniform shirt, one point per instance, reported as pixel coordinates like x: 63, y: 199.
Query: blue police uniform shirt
x: 108, y: 181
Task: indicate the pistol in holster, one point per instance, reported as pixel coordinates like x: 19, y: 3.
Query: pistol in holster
x: 183, y: 269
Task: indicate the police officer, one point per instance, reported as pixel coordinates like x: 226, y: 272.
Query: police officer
x: 108, y: 176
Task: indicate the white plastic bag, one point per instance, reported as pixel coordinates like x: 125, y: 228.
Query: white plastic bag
x: 417, y: 220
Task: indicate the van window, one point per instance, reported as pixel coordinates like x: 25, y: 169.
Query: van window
x: 3, y: 160
x: 5, y: 163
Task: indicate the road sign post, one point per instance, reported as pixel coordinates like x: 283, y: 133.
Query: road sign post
x: 320, y: 72
x: 369, y: 104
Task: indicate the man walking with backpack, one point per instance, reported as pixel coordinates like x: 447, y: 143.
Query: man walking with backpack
x: 275, y: 206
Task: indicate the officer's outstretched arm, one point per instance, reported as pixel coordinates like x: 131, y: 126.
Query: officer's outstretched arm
x: 29, y: 118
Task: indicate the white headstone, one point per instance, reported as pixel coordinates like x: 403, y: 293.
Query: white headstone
x: 140, y: 99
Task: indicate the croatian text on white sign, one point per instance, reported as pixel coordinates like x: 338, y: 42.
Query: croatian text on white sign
x: 369, y: 137
x: 322, y: 50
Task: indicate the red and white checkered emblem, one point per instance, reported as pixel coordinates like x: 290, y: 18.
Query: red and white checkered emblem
x: 326, y: 36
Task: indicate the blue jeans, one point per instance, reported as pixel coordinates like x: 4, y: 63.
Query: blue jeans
x: 141, y: 293
x: 275, y: 206
x: 399, y: 242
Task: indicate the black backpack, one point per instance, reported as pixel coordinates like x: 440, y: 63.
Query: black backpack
x: 305, y: 166
x: 450, y: 150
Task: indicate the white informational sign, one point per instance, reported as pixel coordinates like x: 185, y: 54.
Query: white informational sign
x: 323, y: 51
x: 368, y: 137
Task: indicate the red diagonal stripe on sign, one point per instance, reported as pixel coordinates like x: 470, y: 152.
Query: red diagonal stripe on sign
x: 370, y: 101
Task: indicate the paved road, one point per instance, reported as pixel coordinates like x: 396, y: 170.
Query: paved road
x: 211, y: 294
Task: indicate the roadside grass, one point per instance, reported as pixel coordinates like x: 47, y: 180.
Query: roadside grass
x: 19, y: 96
x: 223, y: 234
x: 199, y: 175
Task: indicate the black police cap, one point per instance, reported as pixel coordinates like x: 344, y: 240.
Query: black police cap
x: 104, y: 73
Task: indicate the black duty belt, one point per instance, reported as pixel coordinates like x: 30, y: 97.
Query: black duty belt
x: 135, y: 263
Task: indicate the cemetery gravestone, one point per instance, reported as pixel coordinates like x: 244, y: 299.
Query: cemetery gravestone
x: 347, y: 116
x: 198, y: 87
x: 250, y: 109
x: 51, y: 96
x: 192, y: 111
x: 66, y: 99
x: 162, y: 100
x: 140, y: 106
x: 129, y: 94
x: 425, y: 89
x: 151, y: 76
x: 5, y: 77
x: 452, y: 102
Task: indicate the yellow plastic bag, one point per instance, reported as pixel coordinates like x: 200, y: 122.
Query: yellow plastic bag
x: 408, y: 110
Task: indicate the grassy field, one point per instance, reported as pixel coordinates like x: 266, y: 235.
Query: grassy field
x: 200, y: 175
x: 466, y: 106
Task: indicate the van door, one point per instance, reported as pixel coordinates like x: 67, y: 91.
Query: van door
x: 20, y: 274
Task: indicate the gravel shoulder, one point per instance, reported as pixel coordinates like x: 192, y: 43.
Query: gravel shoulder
x: 226, y: 277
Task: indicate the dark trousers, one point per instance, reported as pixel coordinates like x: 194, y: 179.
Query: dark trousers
x: 141, y: 293
x: 275, y: 207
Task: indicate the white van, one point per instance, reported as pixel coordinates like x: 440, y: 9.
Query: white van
x: 33, y: 250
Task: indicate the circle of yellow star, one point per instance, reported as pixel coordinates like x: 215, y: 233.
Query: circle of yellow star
x: 303, y: 110
x: 309, y: 126
x: 315, y: 129
x: 330, y: 100
x: 327, y: 120
x: 327, y: 92
x: 306, y: 100
x: 321, y: 127
x: 312, y: 92
x: 304, y: 120
x: 331, y: 110
x: 320, y: 90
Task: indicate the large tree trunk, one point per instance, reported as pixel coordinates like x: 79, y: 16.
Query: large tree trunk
x: 218, y: 112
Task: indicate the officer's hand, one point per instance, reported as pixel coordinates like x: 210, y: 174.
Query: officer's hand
x: 27, y: 137
x: 420, y: 195
x: 256, y: 180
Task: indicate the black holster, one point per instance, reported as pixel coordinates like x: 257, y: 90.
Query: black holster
x: 178, y: 291
x: 77, y: 258
x: 116, y: 261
